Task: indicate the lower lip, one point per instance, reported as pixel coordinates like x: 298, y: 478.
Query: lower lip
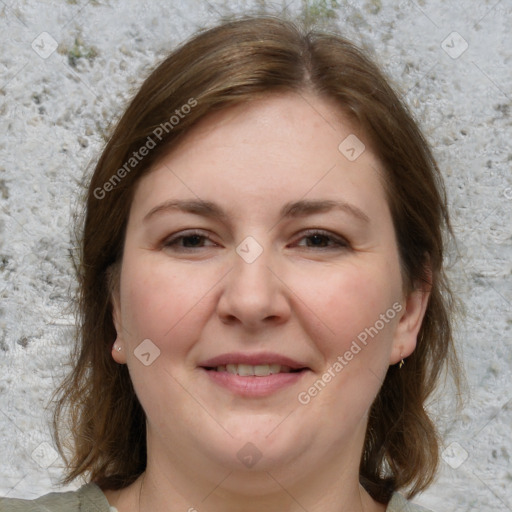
x: 253, y: 386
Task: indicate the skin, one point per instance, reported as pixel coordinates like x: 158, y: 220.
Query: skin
x: 304, y: 297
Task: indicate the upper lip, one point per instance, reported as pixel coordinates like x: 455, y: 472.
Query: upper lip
x: 252, y: 359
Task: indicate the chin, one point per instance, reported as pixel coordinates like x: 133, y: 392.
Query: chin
x: 253, y: 471
x: 258, y: 446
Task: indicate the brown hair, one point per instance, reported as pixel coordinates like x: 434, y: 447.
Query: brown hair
x: 236, y: 62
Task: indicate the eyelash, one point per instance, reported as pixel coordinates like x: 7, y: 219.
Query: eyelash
x: 339, y: 243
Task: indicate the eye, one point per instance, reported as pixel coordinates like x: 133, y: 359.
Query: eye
x: 321, y: 239
x: 187, y: 241
x: 314, y: 238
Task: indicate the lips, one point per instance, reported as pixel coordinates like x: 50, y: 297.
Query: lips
x: 256, y: 375
x: 259, y: 370
x: 261, y: 364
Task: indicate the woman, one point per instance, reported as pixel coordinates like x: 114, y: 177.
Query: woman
x: 263, y: 306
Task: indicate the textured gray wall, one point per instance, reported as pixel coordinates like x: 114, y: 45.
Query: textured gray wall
x: 452, y: 62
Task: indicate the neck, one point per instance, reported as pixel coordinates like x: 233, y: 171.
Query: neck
x: 179, y: 477
x: 168, y: 489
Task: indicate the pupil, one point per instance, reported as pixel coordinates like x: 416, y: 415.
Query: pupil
x: 317, y: 238
x: 195, y: 239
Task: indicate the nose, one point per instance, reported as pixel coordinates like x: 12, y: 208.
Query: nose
x: 254, y: 294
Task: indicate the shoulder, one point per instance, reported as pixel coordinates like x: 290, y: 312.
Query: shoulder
x: 89, y: 498
x: 399, y: 504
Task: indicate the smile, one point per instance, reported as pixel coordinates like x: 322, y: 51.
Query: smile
x: 253, y: 374
x: 259, y: 370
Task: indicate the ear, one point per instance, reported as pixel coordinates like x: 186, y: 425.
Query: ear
x: 409, y: 325
x: 119, y: 356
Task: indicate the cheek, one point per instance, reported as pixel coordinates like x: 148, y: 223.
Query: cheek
x: 356, y: 309
x: 157, y: 301
x: 352, y: 298
x: 351, y: 314
x: 161, y: 304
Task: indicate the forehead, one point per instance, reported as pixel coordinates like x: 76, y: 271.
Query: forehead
x: 281, y: 147
x: 298, y: 117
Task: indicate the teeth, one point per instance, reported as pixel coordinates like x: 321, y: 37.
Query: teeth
x: 245, y: 369
x: 276, y: 368
x: 259, y: 370
x: 262, y: 370
x: 231, y: 368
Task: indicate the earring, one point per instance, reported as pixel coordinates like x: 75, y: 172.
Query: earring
x: 117, y: 347
x: 401, y: 363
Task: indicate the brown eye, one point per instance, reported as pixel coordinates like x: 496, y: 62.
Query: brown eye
x: 190, y: 240
x: 323, y: 240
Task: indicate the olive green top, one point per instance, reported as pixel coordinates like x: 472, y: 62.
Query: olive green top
x: 90, y: 498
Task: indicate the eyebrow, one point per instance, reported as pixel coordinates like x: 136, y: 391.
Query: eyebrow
x: 293, y: 209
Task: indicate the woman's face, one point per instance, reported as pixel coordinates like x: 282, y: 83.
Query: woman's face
x: 262, y: 244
